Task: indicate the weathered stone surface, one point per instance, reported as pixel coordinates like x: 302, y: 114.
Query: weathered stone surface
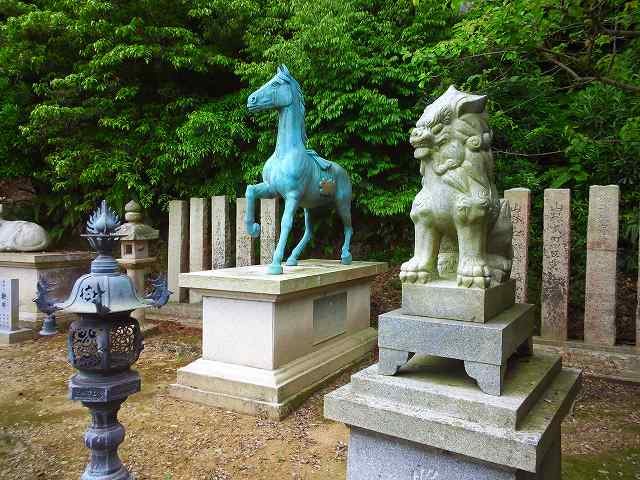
x: 602, y: 246
x: 372, y: 455
x: 440, y: 384
x: 21, y: 236
x: 520, y: 202
x: 178, y: 258
x: 221, y: 238
x: 243, y: 282
x: 524, y: 449
x: 445, y: 299
x: 245, y: 244
x: 452, y: 132
x: 492, y: 342
x: 555, y: 263
x: 60, y: 268
x: 10, y: 332
x: 270, y: 228
x: 271, y: 392
x: 199, y: 244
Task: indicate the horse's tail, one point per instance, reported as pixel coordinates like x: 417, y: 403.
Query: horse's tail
x: 343, y: 184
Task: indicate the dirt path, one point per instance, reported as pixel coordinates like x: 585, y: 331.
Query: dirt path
x: 41, y: 431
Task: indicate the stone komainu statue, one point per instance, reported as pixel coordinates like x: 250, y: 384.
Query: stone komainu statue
x: 461, y: 226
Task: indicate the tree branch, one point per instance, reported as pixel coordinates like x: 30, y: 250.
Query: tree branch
x: 621, y: 33
x: 579, y: 78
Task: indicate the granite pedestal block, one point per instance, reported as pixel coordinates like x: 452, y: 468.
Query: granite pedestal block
x: 60, y: 268
x: 445, y: 299
x: 431, y: 422
x: 484, y: 347
x: 269, y: 340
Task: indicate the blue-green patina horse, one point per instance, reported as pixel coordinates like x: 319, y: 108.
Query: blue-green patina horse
x: 299, y: 175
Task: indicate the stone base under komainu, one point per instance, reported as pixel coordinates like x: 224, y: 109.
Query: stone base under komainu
x: 431, y: 422
x: 268, y: 341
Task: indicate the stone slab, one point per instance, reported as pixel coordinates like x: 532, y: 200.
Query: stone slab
x: 16, y: 336
x: 372, y: 455
x: 491, y: 343
x: 445, y: 299
x: 522, y: 449
x: 274, y: 392
x: 555, y: 263
x: 520, y: 202
x: 254, y: 279
x: 600, y: 278
x: 441, y: 385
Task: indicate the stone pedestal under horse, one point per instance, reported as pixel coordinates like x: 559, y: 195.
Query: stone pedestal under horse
x: 299, y: 175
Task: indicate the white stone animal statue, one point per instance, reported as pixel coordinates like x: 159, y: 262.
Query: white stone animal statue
x: 458, y: 206
x: 21, y: 236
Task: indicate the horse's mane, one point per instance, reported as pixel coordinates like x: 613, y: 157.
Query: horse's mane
x: 298, y: 98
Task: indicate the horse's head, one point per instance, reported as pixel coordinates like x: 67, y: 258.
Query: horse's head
x: 279, y: 92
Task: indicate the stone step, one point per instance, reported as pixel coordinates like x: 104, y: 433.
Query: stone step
x: 441, y: 385
x: 522, y: 449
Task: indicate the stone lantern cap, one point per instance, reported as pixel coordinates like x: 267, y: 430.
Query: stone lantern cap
x: 105, y: 289
x: 134, y: 229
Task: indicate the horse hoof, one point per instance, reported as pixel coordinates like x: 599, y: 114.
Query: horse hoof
x: 274, y: 269
x: 346, y: 260
x: 292, y: 262
x: 254, y: 230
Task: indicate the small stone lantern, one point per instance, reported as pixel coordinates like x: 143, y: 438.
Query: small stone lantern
x: 134, y: 248
x: 104, y: 343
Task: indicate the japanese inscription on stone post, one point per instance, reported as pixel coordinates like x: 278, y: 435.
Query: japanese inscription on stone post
x: 520, y: 202
x: 9, y: 302
x: 555, y: 263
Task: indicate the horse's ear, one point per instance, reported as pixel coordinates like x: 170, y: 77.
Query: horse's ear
x: 284, y: 69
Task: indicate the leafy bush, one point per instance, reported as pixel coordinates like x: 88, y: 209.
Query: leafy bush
x: 148, y: 98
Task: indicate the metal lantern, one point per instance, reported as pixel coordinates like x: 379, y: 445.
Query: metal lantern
x: 104, y: 343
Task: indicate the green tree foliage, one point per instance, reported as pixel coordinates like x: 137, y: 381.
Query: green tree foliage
x: 147, y: 98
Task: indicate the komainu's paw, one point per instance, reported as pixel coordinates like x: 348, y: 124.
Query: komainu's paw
x: 500, y: 268
x: 474, y: 272
x: 417, y: 271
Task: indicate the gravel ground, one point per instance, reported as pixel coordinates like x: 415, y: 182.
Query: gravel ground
x: 41, y: 431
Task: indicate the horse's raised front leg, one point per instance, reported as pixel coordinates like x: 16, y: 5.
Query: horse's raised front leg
x: 293, y: 258
x: 344, y: 210
x: 291, y: 204
x: 253, y: 193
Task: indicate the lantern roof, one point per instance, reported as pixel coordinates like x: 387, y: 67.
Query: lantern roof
x: 105, y: 289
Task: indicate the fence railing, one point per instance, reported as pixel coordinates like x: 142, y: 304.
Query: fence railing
x: 202, y: 237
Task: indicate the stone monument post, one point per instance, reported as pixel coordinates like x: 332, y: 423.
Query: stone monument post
x: 134, y: 249
x: 602, y: 249
x: 10, y: 332
x: 520, y: 202
x: 178, y: 247
x: 555, y: 263
x: 220, y: 233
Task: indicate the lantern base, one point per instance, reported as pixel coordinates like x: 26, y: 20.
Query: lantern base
x: 103, y: 437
